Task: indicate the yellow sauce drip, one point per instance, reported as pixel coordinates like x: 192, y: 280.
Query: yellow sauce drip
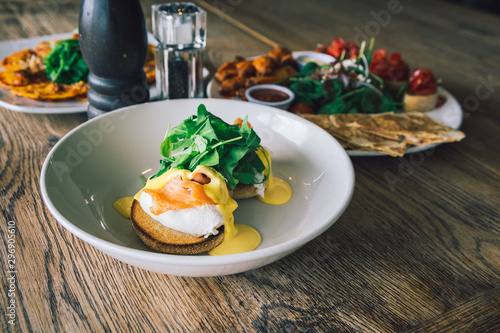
x: 277, y: 193
x: 123, y: 206
x: 243, y: 239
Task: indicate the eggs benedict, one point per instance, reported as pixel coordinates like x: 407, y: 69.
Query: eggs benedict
x: 187, y: 207
x: 184, y: 212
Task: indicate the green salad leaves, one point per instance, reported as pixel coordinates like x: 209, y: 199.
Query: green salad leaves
x: 65, y: 64
x: 344, y: 86
x: 207, y: 140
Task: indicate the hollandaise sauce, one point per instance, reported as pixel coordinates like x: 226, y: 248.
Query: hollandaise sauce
x: 124, y: 206
x: 243, y: 239
x: 278, y: 191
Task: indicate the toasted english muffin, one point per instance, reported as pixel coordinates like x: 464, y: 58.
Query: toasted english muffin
x: 245, y: 191
x: 164, y: 239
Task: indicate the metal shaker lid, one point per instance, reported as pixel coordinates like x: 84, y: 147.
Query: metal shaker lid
x: 179, y: 24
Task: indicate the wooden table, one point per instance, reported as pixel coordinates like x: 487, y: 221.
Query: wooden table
x: 418, y: 254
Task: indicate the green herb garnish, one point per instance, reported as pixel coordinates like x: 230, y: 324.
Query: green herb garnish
x: 344, y: 86
x: 65, y: 63
x: 207, y: 140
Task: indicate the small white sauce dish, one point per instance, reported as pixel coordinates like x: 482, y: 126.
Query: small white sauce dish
x: 303, y: 57
x: 283, y: 104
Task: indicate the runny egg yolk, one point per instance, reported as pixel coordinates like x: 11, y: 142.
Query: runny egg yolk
x: 278, y: 191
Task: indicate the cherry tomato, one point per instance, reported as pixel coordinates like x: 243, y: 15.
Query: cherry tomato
x: 336, y: 48
x: 392, y: 68
x: 422, y: 82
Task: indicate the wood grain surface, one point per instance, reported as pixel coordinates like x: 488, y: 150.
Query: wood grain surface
x: 418, y: 248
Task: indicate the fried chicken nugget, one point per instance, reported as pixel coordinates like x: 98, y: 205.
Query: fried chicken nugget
x: 278, y: 53
x: 230, y: 87
x: 228, y: 69
x: 279, y: 74
x: 245, y: 68
x: 264, y: 65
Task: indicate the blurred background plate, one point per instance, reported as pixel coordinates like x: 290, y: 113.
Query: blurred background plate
x: 21, y: 104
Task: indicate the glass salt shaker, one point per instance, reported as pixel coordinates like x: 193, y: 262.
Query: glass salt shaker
x: 181, y: 31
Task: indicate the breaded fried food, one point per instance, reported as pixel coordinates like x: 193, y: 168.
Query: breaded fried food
x: 229, y: 87
x: 237, y: 75
x: 10, y: 78
x: 245, y: 68
x: 228, y: 69
x: 279, y: 74
x: 264, y: 65
x: 278, y: 53
x: 24, y: 74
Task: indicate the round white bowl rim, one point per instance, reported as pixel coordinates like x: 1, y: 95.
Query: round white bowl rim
x: 299, y: 55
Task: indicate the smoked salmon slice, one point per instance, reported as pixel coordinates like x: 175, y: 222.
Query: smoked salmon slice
x: 178, y: 194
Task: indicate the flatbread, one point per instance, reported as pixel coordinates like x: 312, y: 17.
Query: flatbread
x: 388, y: 133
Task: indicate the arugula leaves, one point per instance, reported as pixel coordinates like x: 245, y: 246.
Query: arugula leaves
x: 343, y: 86
x: 207, y: 140
x: 65, y: 64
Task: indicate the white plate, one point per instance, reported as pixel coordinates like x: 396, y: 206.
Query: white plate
x: 21, y: 104
x: 450, y: 114
x: 101, y: 160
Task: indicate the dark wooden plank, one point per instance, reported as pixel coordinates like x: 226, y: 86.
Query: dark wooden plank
x: 465, y: 319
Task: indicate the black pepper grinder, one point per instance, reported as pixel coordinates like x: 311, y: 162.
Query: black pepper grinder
x: 114, y: 44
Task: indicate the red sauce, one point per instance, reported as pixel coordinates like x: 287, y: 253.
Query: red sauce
x: 269, y: 95
x: 441, y: 100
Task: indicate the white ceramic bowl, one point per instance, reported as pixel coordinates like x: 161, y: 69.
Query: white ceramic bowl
x: 303, y: 57
x: 102, y: 159
x: 284, y: 105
